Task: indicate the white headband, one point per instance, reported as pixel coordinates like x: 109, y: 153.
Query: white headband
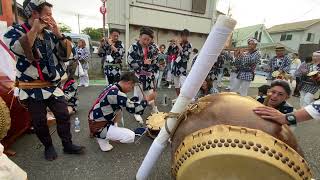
x: 317, y: 53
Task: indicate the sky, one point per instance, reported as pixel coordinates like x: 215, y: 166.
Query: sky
x: 246, y: 12
x: 270, y: 12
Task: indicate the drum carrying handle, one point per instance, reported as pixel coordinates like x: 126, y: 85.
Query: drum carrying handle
x: 183, y: 116
x: 243, y: 130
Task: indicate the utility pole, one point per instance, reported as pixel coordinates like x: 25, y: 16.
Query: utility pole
x: 229, y: 10
x: 79, y: 23
x: 103, y: 11
x: 15, y: 11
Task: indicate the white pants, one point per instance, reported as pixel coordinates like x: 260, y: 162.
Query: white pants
x: 241, y: 86
x: 107, y: 81
x: 159, y: 78
x: 115, y: 133
x: 219, y: 78
x: 169, y: 74
x: 306, y: 98
x: 293, y: 84
x: 232, y: 78
x: 84, y: 80
x: 179, y: 80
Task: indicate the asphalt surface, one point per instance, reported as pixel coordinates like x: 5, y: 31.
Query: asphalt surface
x: 124, y: 160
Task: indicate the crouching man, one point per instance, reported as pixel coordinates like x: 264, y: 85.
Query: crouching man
x: 106, y: 112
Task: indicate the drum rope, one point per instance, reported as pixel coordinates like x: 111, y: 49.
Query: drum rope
x: 180, y: 118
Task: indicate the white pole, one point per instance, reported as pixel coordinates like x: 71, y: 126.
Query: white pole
x: 207, y: 57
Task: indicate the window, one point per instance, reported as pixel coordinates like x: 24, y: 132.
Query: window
x: 286, y: 37
x: 310, y: 37
x: 256, y: 35
x: 289, y: 37
x: 199, y: 6
x: 0, y: 7
x: 283, y: 37
x: 260, y: 34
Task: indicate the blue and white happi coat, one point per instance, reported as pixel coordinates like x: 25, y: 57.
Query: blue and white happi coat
x: 246, y: 65
x: 279, y: 64
x: 114, y: 99
x: 113, y: 61
x: 145, y: 72
x: 50, y: 62
x: 180, y: 68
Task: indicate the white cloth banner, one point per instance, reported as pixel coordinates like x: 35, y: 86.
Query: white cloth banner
x: 7, y: 62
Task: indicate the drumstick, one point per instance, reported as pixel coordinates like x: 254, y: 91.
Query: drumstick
x: 144, y: 96
x: 155, y: 82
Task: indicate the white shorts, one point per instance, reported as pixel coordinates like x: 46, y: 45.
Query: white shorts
x: 179, y: 80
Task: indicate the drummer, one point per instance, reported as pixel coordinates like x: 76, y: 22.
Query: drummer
x: 280, y: 62
x: 279, y: 93
x: 307, y: 113
x: 108, y: 108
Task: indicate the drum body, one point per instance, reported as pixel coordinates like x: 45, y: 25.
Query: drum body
x: 220, y: 137
x: 20, y: 117
x: 5, y: 120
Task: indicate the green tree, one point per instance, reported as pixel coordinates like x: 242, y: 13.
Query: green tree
x: 95, y: 34
x: 64, y: 28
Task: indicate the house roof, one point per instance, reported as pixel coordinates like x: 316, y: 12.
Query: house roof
x: 269, y: 45
x: 296, y: 26
x: 244, y: 33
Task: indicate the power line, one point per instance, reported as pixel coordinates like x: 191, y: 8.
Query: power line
x: 310, y: 10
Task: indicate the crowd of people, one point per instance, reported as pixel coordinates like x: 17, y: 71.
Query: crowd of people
x: 47, y: 63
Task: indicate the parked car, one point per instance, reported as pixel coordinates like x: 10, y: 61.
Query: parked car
x: 263, y: 65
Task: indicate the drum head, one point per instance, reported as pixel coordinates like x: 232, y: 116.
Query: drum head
x: 237, y: 153
x: 275, y: 74
x: 156, y: 121
x: 312, y: 73
x: 5, y: 120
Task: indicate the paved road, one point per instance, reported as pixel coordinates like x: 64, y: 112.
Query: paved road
x: 124, y: 160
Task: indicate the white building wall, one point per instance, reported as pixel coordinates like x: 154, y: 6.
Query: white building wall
x: 315, y: 29
x: 116, y: 12
x: 162, y: 36
x: 168, y: 20
x: 165, y: 17
x: 297, y: 38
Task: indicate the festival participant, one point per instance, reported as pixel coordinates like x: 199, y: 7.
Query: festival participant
x: 40, y: 68
x: 246, y: 63
x: 311, y: 111
x: 107, y: 110
x: 278, y: 93
x: 309, y: 84
x: 161, y: 63
x: 113, y: 51
x: 295, y: 64
x: 206, y: 89
x: 83, y: 56
x: 181, y: 49
x: 142, y: 59
x: 280, y: 62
